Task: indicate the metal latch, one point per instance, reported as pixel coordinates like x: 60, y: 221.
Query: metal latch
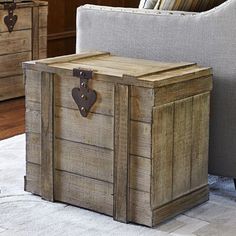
x: 84, y: 96
x: 11, y: 19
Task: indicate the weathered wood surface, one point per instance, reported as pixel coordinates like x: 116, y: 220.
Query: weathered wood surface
x: 162, y: 150
x: 140, y: 155
x: 200, y: 141
x: 121, y: 153
x: 182, y: 90
x: 32, y: 179
x: 20, y: 42
x: 105, y: 95
x: 96, y: 129
x: 11, y: 63
x: 32, y: 86
x: 6, y: 85
x: 92, y: 162
x: 27, y: 41
x: 182, y: 147
x: 35, y: 33
x: 85, y: 192
x: 125, y: 71
x: 180, y: 205
x: 33, y: 148
x: 24, y: 20
x: 47, y: 136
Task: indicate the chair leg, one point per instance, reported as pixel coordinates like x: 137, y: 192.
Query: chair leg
x: 235, y: 183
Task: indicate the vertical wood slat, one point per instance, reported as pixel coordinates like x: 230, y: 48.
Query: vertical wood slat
x: 121, y: 155
x: 182, y: 147
x: 200, y: 140
x: 162, y: 154
x: 47, y: 136
x: 35, y: 33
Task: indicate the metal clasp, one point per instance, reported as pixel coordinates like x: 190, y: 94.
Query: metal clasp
x: 11, y: 19
x: 84, y: 96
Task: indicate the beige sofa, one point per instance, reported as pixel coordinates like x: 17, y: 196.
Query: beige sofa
x: 208, y: 38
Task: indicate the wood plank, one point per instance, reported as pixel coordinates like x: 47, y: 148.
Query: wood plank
x: 180, y: 205
x: 43, y: 16
x: 32, y: 179
x: 180, y: 75
x: 131, y: 69
x: 23, y: 22
x: 35, y: 32
x: 42, y: 53
x: 140, y: 169
x: 84, y: 192
x: 42, y: 38
x: 121, y: 153
x: 11, y: 87
x: 33, y: 148
x: 200, y: 142
x: 121, y: 61
x: 32, y: 117
x: 182, y: 90
x: 140, y: 210
x: 105, y: 94
x: 182, y: 147
x: 92, y: 161
x: 32, y: 86
x: 11, y: 63
x: 96, y: 129
x: 20, y: 41
x: 85, y: 160
x: 142, y: 101
x: 140, y: 136
x: 66, y: 58
x: 47, y: 136
x: 162, y: 154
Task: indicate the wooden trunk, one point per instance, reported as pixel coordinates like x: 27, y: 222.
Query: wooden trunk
x: 140, y: 155
x: 27, y: 41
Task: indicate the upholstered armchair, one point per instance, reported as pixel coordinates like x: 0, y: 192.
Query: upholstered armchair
x: 208, y: 38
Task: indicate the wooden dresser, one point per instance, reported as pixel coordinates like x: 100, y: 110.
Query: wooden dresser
x: 23, y: 37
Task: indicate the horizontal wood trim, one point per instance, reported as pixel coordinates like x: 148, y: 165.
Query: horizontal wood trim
x: 180, y: 205
x: 62, y: 35
x: 11, y: 64
x: 84, y: 192
x: 11, y: 87
x: 17, y: 41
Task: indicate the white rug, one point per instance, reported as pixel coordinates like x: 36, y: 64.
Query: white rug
x: 24, y: 214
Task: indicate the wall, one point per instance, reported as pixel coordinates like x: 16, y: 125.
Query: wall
x: 61, y: 22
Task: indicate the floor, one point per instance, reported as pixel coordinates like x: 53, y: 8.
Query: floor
x: 12, y: 118
x: 24, y: 214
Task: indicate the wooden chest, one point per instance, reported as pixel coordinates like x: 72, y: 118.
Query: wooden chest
x: 139, y: 154
x: 23, y: 37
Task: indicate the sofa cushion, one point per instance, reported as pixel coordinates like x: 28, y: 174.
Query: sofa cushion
x: 180, y: 5
x: 148, y: 4
x: 187, y: 5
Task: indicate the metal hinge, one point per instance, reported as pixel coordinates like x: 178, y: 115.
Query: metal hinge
x: 84, y: 96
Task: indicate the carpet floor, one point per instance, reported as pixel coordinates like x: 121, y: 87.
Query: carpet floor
x: 22, y: 213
